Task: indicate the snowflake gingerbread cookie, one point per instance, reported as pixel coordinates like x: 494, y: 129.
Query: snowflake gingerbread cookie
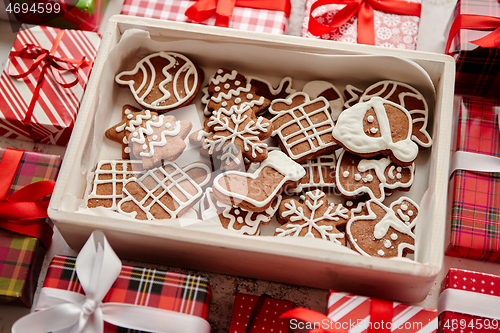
x: 312, y: 216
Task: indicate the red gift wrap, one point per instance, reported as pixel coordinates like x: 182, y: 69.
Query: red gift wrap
x: 469, y: 302
x: 262, y: 312
x: 474, y: 230
x: 43, y: 83
x: 251, y: 15
x: 474, y: 42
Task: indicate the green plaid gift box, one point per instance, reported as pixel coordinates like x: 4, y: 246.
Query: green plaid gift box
x: 184, y: 293
x: 21, y: 256
x: 475, y: 212
x: 477, y: 68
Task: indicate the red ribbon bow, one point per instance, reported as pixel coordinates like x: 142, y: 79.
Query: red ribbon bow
x: 203, y: 9
x: 21, y: 212
x: 476, y: 22
x: 48, y: 60
x: 364, y: 9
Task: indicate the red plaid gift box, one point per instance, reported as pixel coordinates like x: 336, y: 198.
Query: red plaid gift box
x: 251, y: 15
x: 95, y: 289
x: 39, y: 99
x: 21, y: 256
x: 349, y: 313
x: 469, y: 302
x: 475, y: 211
x: 395, y: 25
x: 261, y: 312
x: 472, y: 43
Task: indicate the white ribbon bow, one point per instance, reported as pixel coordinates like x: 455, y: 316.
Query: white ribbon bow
x: 97, y: 268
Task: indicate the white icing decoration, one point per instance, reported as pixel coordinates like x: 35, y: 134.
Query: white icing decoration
x: 224, y: 104
x: 217, y: 89
x: 127, y: 150
x: 148, y: 130
x: 237, y: 83
x: 380, y: 252
x: 227, y: 86
x: 373, y: 130
x: 149, y: 82
x: 318, y: 166
x: 349, y: 131
x: 404, y: 207
x: 346, y: 174
x: 315, y: 141
x: 394, y: 236
x: 368, y: 178
x: 387, y: 243
x: 277, y: 160
x: 410, y: 213
x: 154, y: 137
x: 249, y: 96
x: 357, y: 177
x: 370, y: 119
x: 399, y: 169
x: 237, y: 100
x: 216, y: 80
x: 237, y: 92
x: 132, y: 124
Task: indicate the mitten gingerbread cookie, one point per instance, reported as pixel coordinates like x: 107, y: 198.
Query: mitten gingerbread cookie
x: 312, y: 216
x: 256, y: 191
x: 166, y: 192
x: 384, y: 231
x: 356, y: 176
x: 163, y: 81
x: 303, y: 126
x: 377, y: 127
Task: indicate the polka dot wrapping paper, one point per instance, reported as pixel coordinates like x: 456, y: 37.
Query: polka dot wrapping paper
x: 266, y: 319
x: 469, y: 302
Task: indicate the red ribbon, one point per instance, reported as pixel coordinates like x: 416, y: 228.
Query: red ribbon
x: 203, y: 9
x: 364, y: 9
x: 48, y: 60
x: 476, y: 22
x: 21, y: 212
x: 381, y: 313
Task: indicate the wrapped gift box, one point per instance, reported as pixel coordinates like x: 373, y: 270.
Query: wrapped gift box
x: 261, y: 16
x: 469, y: 302
x: 73, y: 14
x: 390, y: 29
x: 477, y: 67
x: 261, y: 312
x: 475, y: 205
x: 21, y: 256
x: 42, y: 105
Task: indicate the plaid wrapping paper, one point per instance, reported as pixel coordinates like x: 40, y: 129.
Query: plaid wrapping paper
x: 391, y: 30
x: 472, y: 282
x: 475, y: 211
x: 250, y: 19
x: 477, y: 68
x: 56, y: 106
x: 21, y: 256
x: 179, y: 292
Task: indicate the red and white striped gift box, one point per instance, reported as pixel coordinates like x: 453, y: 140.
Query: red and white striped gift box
x: 243, y: 18
x: 356, y: 314
x: 56, y: 106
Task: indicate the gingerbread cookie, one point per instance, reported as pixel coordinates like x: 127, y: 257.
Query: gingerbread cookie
x: 165, y: 192
x: 356, y: 176
x: 159, y: 139
x: 264, y: 88
x: 108, y: 179
x: 312, y: 216
x: 234, y: 218
x: 256, y: 191
x: 410, y: 99
x: 377, y: 127
x: 327, y: 90
x: 236, y: 131
x: 229, y: 88
x: 384, y: 231
x: 351, y: 95
x: 131, y: 119
x: 320, y: 174
x: 163, y: 81
x: 303, y: 126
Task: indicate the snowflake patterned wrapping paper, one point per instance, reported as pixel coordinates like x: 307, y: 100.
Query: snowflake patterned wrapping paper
x: 475, y: 210
x: 21, y: 256
x: 42, y: 105
x: 263, y: 311
x: 469, y: 302
x: 248, y: 15
x: 390, y: 30
x: 183, y: 293
x: 477, y: 67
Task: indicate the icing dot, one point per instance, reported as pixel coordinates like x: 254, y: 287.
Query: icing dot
x: 239, y: 219
x: 154, y: 137
x: 144, y: 146
x: 237, y: 211
x: 404, y: 207
x: 168, y: 125
x: 373, y: 130
x: 399, y: 176
x: 129, y: 116
x: 217, y: 89
x: 135, y: 134
x: 394, y: 236
x: 224, y: 103
x: 226, y: 86
x: 219, y: 71
x: 349, y: 203
x: 380, y: 252
x: 346, y: 174
x: 357, y: 177
x: 127, y: 150
x: 154, y: 117
x: 237, y: 82
x: 399, y: 169
x: 237, y: 100
x: 249, y: 96
x: 370, y: 119
x: 368, y: 178
x: 410, y: 213
x: 387, y: 243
